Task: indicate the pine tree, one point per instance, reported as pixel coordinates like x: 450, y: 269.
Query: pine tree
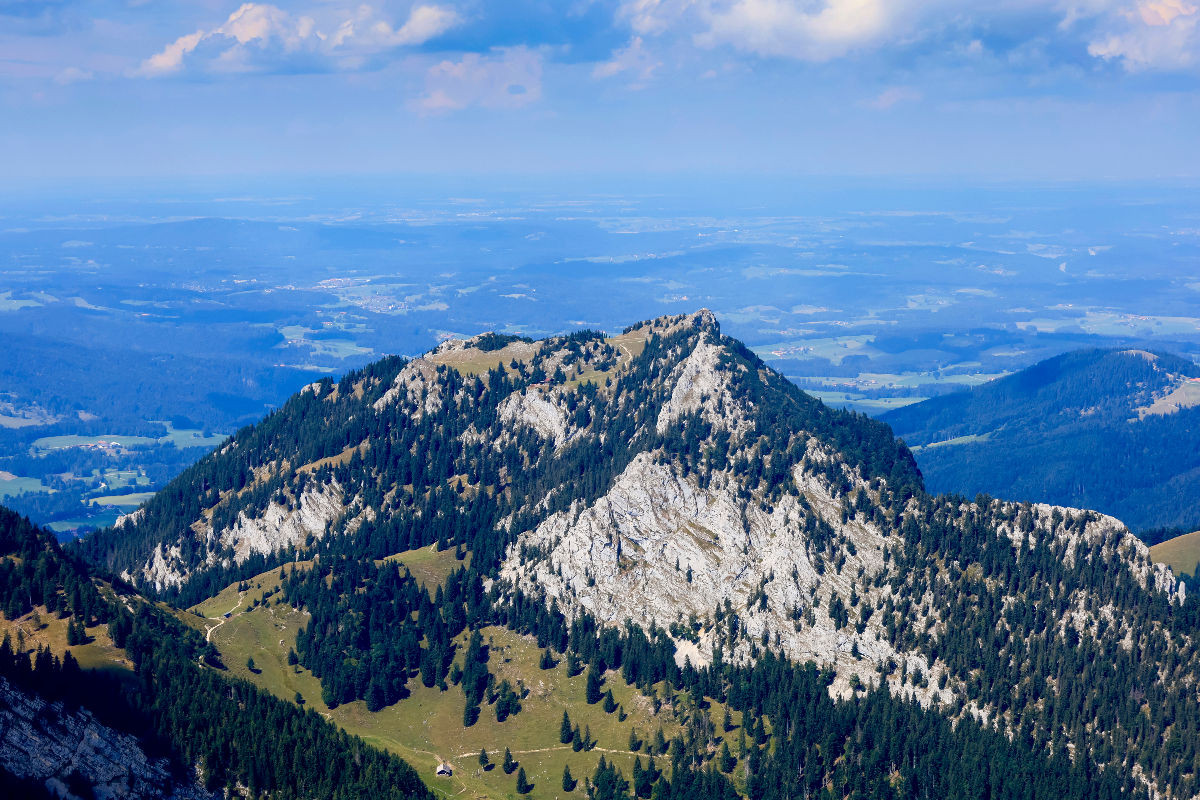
x: 660, y: 742
x: 568, y: 782
x: 523, y: 784
x: 483, y: 758
x: 727, y: 761
x: 565, y: 732
x: 509, y: 764
x: 592, y: 690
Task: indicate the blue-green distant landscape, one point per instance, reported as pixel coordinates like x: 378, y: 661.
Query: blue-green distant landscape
x: 130, y: 315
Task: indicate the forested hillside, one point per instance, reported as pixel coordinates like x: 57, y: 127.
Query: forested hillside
x: 161, y: 720
x: 662, y: 507
x: 1110, y: 430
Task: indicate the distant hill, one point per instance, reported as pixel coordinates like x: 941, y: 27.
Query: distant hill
x: 1113, y: 430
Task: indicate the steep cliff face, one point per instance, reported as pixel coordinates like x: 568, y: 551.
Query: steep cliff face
x: 72, y: 754
x: 288, y: 521
x: 804, y: 563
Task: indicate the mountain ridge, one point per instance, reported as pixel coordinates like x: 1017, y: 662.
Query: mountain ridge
x: 1106, y: 429
x: 667, y: 485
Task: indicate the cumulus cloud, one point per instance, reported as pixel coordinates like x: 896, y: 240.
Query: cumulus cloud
x: 1138, y: 34
x: 656, y: 16
x: 509, y: 77
x: 263, y: 36
x: 634, y: 60
x: 807, y: 31
x: 1150, y: 34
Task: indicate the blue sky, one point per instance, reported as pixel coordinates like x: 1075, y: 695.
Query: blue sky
x: 1008, y: 89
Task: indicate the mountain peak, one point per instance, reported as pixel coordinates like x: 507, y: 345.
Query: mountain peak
x: 666, y: 481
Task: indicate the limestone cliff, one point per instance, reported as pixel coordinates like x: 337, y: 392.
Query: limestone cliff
x: 71, y: 753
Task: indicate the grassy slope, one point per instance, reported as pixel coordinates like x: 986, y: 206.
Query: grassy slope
x: 427, y: 726
x: 1181, y: 554
x: 39, y: 629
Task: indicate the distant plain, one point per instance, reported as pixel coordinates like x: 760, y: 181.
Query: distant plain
x: 159, y: 320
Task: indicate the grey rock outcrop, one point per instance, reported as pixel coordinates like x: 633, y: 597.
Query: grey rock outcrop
x: 64, y: 748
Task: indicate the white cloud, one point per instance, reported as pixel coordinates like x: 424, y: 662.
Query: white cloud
x: 635, y: 59
x: 262, y: 36
x: 423, y: 24
x: 1139, y: 34
x: 1150, y: 34
x: 508, y: 77
x: 656, y: 16
x: 795, y: 30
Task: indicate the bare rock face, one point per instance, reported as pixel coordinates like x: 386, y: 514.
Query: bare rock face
x: 698, y: 384
x: 281, y: 526
x: 723, y: 563
x: 416, y: 385
x: 65, y: 748
x: 716, y: 570
x: 659, y: 549
x: 532, y: 408
x: 277, y: 527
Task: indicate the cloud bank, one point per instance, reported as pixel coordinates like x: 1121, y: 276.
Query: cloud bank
x: 264, y: 37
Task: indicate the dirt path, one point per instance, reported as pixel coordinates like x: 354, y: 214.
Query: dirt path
x: 221, y: 620
x: 551, y: 749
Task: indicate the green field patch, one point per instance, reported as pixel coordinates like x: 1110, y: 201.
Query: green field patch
x: 832, y: 348
x: 860, y: 403
x: 630, y: 344
x: 191, y: 437
x: 123, y: 500
x: 473, y: 361
x: 968, y: 439
x: 23, y: 422
x: 115, y: 479
x: 231, y: 599
x: 14, y: 484
x: 428, y: 565
x: 72, y: 440
x: 1181, y: 554
x: 10, y: 303
x: 42, y: 629
x: 177, y: 437
x: 101, y: 519
x: 426, y: 728
x: 300, y: 336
